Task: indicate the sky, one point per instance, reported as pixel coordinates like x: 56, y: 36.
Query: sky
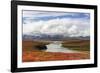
x: 71, y: 24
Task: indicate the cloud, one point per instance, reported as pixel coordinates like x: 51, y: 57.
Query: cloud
x: 34, y: 16
x: 65, y: 26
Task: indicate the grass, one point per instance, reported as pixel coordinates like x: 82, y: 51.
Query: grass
x: 79, y: 45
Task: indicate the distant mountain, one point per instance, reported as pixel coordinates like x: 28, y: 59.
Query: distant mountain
x: 52, y: 37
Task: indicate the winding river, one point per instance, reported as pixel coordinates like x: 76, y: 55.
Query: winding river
x: 56, y: 46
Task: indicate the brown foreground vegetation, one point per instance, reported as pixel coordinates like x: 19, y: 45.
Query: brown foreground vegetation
x: 30, y: 54
x: 35, y: 55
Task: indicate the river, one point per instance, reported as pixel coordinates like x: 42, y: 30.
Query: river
x: 56, y: 46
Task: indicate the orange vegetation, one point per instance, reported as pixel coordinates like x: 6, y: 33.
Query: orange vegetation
x: 36, y: 55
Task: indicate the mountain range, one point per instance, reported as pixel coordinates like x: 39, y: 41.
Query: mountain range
x: 52, y: 37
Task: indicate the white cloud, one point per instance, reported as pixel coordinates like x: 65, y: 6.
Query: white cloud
x: 66, y: 27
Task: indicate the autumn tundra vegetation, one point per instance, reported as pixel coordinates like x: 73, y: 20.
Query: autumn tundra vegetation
x: 35, y: 50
